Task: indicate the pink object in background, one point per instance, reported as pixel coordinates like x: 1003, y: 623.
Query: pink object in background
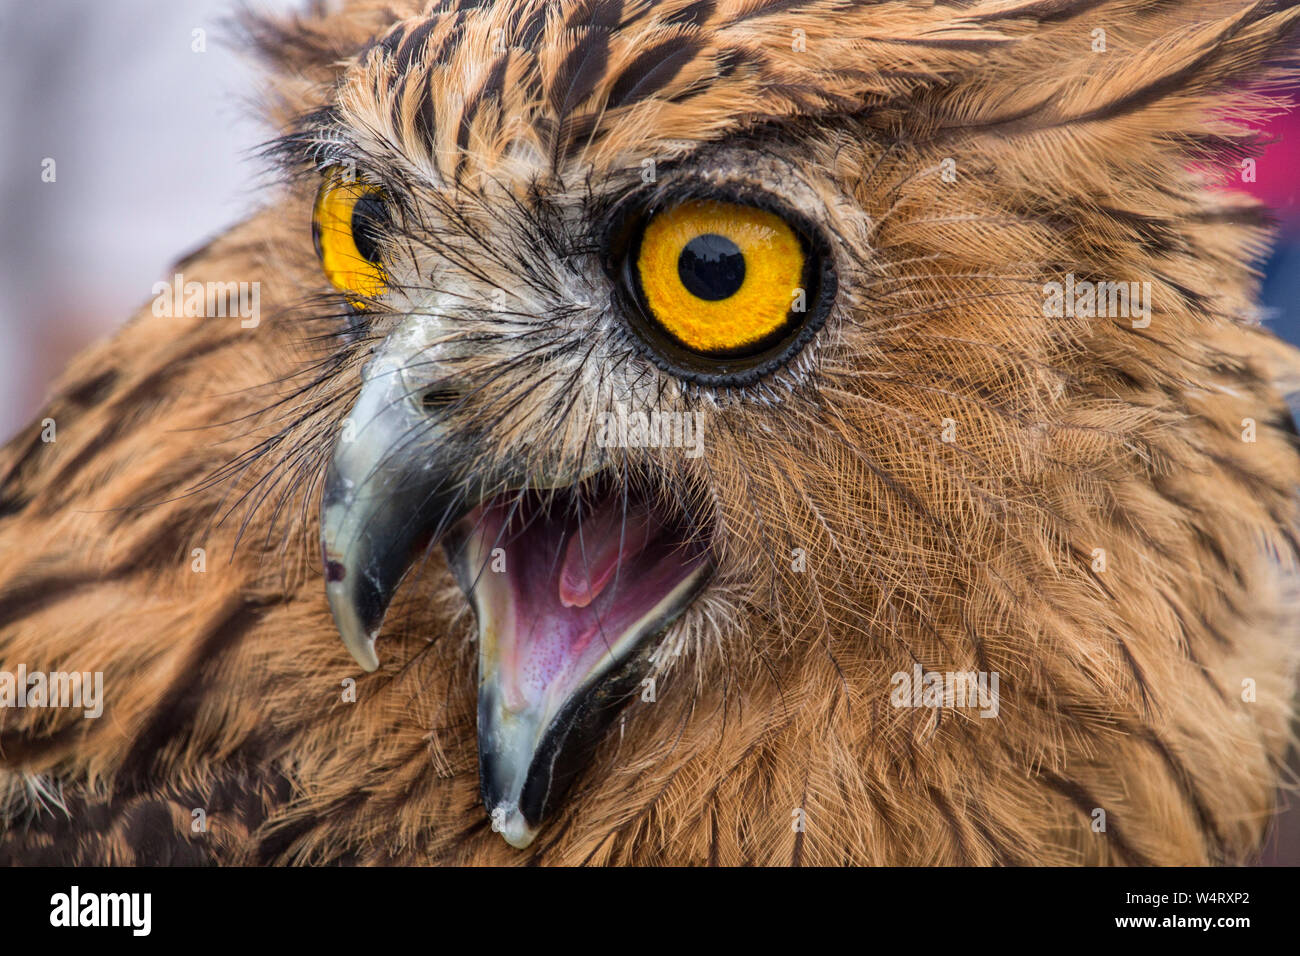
x: 1277, y: 182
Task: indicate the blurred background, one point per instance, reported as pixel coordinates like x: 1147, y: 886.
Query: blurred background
x: 153, y: 141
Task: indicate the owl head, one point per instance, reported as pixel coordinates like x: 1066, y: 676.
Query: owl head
x: 727, y: 343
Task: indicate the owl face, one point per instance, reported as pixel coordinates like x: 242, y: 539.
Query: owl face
x: 698, y: 332
x: 551, y: 330
x: 546, y: 366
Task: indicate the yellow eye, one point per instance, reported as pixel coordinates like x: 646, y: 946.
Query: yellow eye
x: 347, y: 228
x: 721, y: 278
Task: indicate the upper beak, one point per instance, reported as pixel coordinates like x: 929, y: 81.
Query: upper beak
x: 390, y: 489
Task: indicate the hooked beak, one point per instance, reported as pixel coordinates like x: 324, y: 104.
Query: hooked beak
x: 570, y: 584
x: 377, y: 508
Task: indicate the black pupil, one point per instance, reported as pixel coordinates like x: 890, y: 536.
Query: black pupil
x: 368, y: 217
x: 711, y: 267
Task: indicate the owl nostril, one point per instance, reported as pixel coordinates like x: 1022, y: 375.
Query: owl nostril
x: 438, y: 398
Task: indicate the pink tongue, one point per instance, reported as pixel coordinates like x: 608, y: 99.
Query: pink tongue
x: 592, y: 557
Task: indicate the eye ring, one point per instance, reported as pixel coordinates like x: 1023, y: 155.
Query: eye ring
x: 682, y: 349
x: 349, y: 218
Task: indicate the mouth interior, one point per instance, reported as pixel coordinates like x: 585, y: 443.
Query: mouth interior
x: 567, y: 581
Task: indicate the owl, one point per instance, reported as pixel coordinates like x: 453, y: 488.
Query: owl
x: 720, y: 432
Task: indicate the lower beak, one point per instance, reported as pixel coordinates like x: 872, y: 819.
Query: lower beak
x: 536, y: 733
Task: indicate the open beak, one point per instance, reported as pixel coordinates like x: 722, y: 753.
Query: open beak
x: 570, y: 584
